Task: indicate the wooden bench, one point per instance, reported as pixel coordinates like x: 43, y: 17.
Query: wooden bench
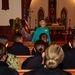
x: 61, y: 43
x: 22, y: 58
x: 21, y: 72
x: 30, y: 45
x: 72, y: 71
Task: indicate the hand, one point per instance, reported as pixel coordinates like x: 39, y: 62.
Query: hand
x: 70, y: 44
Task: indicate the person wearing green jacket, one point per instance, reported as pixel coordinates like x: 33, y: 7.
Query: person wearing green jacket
x: 40, y: 30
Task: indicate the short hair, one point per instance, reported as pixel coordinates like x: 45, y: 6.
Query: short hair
x: 3, y: 39
x: 17, y: 36
x: 42, y: 21
x: 43, y: 36
x: 40, y: 46
x: 2, y: 50
x: 54, y: 55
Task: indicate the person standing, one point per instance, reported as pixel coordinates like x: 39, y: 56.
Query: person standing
x: 18, y: 48
x: 41, y: 29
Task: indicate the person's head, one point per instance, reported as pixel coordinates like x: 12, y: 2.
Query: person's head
x: 43, y: 37
x: 4, y: 40
x: 54, y: 55
x: 18, y: 37
x: 40, y: 46
x: 3, y: 52
x: 42, y: 23
x: 72, y: 42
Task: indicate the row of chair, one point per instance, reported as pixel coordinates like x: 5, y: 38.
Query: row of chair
x: 30, y: 45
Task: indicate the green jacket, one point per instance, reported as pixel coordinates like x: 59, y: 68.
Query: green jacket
x: 40, y: 30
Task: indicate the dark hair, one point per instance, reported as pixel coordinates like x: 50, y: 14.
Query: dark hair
x: 2, y: 50
x: 43, y: 35
x: 3, y: 39
x: 40, y: 46
x: 17, y: 36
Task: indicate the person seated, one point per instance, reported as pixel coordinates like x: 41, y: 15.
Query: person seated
x: 69, y: 62
x: 53, y: 56
x: 67, y: 47
x: 11, y: 59
x: 36, y: 60
x: 18, y: 48
x: 4, y: 69
x: 44, y: 37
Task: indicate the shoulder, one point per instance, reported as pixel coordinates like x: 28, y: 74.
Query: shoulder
x: 38, y: 28
x: 32, y: 72
x: 8, y: 71
x: 36, y: 63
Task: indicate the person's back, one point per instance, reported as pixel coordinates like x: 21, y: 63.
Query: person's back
x: 35, y: 61
x: 69, y: 61
x: 4, y: 69
x: 18, y: 48
x: 11, y: 59
x: 43, y: 37
x: 54, y: 55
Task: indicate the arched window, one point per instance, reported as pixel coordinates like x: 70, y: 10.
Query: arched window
x: 64, y: 16
x: 40, y: 14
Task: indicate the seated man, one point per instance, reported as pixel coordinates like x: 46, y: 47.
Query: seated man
x: 18, y: 48
x: 11, y: 59
x: 44, y: 37
x: 35, y: 61
x: 4, y: 69
x: 69, y: 62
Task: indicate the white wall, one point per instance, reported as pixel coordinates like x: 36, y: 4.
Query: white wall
x: 13, y: 12
x: 35, y: 5
x: 70, y: 6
